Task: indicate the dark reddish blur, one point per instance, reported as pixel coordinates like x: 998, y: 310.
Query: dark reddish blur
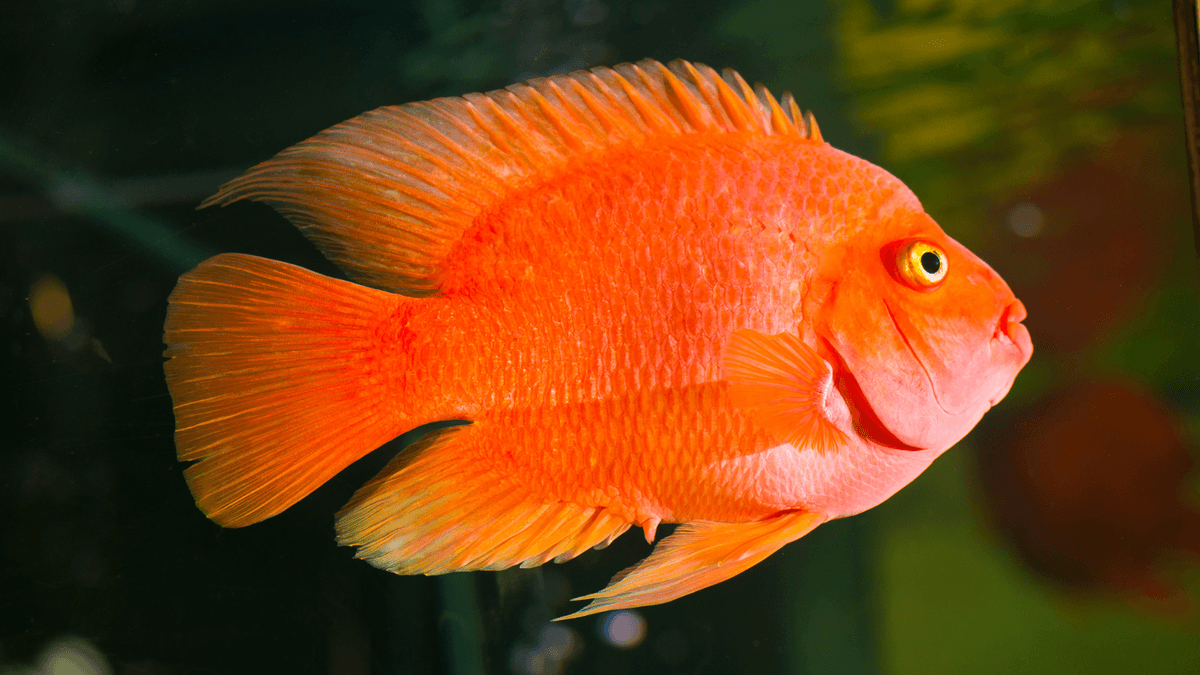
x: 1102, y: 244
x: 1090, y: 490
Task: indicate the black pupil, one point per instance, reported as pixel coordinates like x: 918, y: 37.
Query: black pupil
x: 931, y: 262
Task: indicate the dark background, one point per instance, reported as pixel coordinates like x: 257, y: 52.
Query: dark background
x: 118, y: 116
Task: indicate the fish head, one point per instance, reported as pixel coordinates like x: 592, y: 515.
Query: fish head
x: 925, y: 336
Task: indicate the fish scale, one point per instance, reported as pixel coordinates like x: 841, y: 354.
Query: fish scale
x: 530, y: 316
x: 643, y: 444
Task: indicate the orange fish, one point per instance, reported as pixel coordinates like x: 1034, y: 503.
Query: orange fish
x: 657, y: 295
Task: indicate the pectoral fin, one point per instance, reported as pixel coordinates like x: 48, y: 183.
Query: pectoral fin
x: 696, y: 556
x: 782, y: 383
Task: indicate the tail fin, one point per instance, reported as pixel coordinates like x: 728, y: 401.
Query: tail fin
x: 280, y: 380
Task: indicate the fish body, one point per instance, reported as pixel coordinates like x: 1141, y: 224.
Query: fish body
x: 657, y: 295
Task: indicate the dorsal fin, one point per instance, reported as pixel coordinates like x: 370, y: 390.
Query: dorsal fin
x: 386, y: 194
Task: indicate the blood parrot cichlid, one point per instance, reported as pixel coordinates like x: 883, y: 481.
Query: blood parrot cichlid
x: 656, y: 294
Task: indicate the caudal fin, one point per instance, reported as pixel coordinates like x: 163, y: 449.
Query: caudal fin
x: 280, y: 378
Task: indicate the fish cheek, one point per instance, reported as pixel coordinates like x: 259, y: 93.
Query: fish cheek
x: 954, y: 347
x: 951, y: 331
x: 856, y: 323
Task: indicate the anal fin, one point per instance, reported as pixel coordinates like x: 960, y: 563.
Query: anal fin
x: 696, y: 556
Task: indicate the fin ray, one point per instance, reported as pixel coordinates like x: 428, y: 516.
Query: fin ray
x: 782, y: 382
x: 437, y: 509
x: 385, y: 195
x: 270, y: 371
x: 696, y: 556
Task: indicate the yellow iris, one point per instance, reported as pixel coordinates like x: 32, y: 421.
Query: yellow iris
x: 921, y: 264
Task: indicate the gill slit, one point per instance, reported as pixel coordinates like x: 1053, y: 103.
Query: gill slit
x: 865, y: 421
x: 924, y: 369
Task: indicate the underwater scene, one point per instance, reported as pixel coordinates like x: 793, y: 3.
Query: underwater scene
x: 645, y: 367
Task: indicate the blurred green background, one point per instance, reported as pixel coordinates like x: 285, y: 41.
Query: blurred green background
x: 1047, y: 136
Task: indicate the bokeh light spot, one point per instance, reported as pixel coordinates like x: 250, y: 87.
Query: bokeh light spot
x: 556, y: 644
x: 558, y: 641
x: 72, y: 656
x: 1025, y: 219
x: 624, y: 629
x: 51, y: 307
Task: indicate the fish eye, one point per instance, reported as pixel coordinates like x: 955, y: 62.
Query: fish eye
x: 921, y: 264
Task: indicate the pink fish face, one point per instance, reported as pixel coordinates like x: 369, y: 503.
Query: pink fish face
x: 927, y: 336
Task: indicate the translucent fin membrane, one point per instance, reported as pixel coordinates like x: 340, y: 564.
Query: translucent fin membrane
x: 697, y: 556
x: 386, y: 194
x: 274, y: 371
x: 434, y: 510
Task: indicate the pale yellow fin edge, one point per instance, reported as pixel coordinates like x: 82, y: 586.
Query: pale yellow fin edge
x: 385, y: 195
x: 697, y: 556
x: 434, y: 510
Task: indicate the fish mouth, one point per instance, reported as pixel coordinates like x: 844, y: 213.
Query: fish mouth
x: 922, y: 379
x: 1009, y: 327
x: 1013, y: 334
x: 1009, y: 340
